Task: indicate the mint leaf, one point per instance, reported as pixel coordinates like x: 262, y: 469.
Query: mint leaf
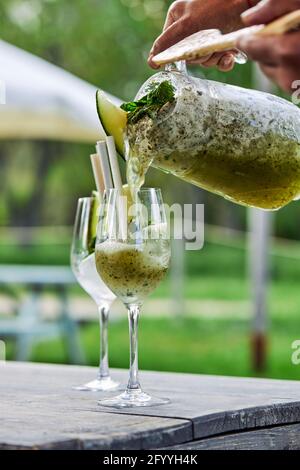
x: 148, y: 104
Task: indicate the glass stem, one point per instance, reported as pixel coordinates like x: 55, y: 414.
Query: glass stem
x: 103, y: 320
x: 133, y: 317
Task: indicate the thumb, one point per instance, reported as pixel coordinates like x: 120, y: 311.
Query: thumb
x: 268, y: 10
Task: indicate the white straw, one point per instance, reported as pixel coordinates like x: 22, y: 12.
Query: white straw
x: 114, y: 164
x: 104, y: 161
x: 117, y: 182
x: 97, y: 171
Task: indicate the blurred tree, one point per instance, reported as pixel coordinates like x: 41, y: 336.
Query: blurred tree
x: 105, y: 43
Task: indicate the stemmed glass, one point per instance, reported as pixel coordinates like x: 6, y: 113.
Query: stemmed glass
x: 132, y: 257
x: 84, y: 268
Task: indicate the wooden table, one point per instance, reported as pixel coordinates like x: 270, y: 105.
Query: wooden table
x: 39, y: 409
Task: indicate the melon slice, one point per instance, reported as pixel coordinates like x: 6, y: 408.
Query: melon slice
x: 113, y: 120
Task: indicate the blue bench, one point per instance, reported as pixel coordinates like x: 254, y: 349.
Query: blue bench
x: 27, y: 327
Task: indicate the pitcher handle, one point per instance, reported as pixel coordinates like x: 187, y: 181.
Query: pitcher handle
x: 179, y: 66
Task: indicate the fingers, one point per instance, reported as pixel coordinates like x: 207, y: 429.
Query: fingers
x: 279, y: 57
x: 201, y: 60
x: 270, y: 72
x: 170, y: 36
x: 226, y: 63
x: 272, y: 50
x: 209, y: 60
x: 280, y: 76
x: 176, y: 10
x: 185, y: 17
x: 173, y: 31
x: 260, y: 49
x: 268, y: 10
x: 152, y: 64
x: 222, y: 61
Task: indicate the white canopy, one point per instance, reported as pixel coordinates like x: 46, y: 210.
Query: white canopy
x: 44, y: 101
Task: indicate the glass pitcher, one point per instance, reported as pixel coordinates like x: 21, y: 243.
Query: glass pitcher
x: 241, y: 144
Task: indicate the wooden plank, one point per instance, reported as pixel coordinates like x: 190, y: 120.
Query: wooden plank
x: 39, y: 400
x: 278, y: 438
x: 40, y: 410
x: 217, y: 404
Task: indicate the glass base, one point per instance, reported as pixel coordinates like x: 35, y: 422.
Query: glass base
x: 133, y: 399
x: 99, y: 385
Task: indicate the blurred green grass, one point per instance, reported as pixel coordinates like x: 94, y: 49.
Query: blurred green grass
x: 194, y: 345
x: 218, y: 345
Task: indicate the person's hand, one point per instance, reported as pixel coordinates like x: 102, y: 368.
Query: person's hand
x: 186, y: 17
x: 269, y: 10
x: 278, y: 56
